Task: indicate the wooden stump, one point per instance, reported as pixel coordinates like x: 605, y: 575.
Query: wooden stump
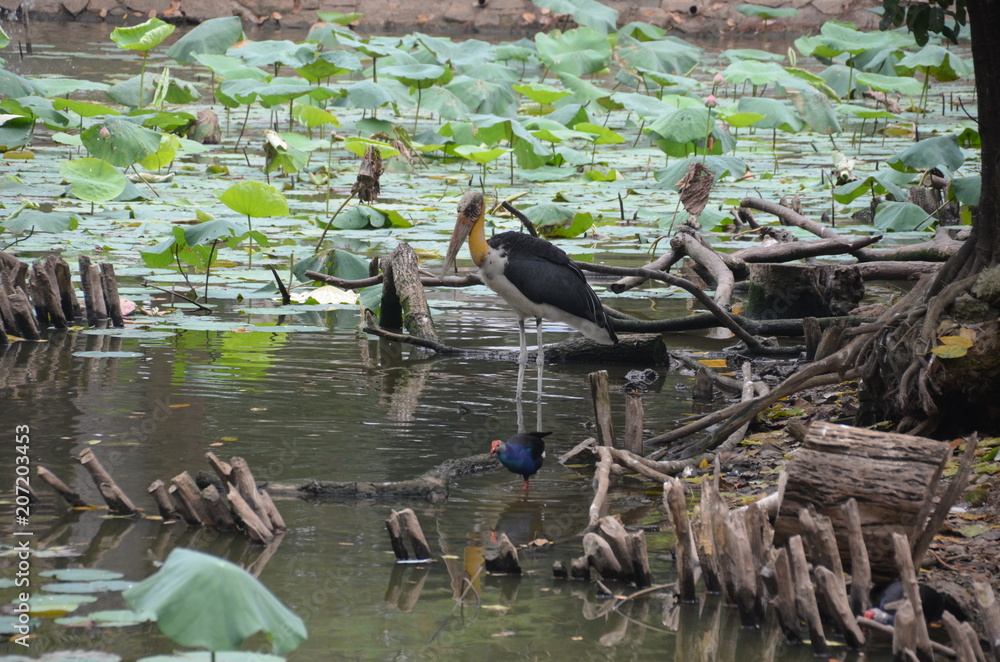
x: 61, y: 488
x: 673, y: 502
x: 891, y: 476
x: 402, y: 525
x: 117, y: 501
x: 502, y: 558
x: 164, y: 505
x: 601, y: 396
x: 784, y: 291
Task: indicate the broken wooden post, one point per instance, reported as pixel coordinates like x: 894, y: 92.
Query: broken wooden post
x: 243, y: 479
x: 277, y: 521
x: 911, y: 588
x: 218, y: 512
x: 256, y: 529
x: 861, y: 573
x: 704, y: 538
x: 602, y: 558
x: 822, y: 539
x: 579, y: 568
x: 61, y: 488
x: 904, y: 634
x: 601, y: 396
x: 501, y: 559
x: 161, y: 497
x: 674, y: 503
x: 188, y: 494
x: 45, y: 296
x: 404, y: 524
x: 117, y: 502
x: 784, y: 601
x: 703, y: 387
x: 109, y: 286
x: 404, y: 304
x: 633, y: 423
x: 18, y: 313
x: 395, y: 530
x: 889, y: 474
x: 964, y: 652
x: 221, y: 468
x: 640, y: 559
x: 740, y: 559
x: 805, y: 597
x: 64, y: 283
x: 93, y: 292
x: 832, y: 587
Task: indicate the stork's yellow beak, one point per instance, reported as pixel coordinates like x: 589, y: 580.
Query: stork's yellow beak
x: 470, y: 211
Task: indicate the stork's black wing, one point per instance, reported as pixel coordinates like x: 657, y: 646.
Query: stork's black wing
x: 544, y: 273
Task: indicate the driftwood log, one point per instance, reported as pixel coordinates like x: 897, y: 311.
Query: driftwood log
x: 891, y: 477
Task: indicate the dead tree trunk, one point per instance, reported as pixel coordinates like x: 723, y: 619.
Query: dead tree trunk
x: 891, y: 477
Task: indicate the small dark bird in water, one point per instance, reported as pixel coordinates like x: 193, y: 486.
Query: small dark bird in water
x: 522, y: 454
x: 892, y: 597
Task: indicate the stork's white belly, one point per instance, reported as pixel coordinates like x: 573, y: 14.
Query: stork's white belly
x: 491, y: 271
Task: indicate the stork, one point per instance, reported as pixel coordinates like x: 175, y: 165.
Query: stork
x: 536, y: 278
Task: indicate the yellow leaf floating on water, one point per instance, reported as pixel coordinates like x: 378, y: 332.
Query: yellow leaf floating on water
x: 713, y: 363
x: 179, y: 406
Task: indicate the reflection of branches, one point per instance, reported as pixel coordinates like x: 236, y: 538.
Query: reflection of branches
x: 460, y: 603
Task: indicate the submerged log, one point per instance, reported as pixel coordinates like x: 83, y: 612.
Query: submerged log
x: 889, y: 475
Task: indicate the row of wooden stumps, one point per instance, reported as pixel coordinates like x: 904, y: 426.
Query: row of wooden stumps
x: 239, y: 506
x: 34, y: 298
x: 798, y: 566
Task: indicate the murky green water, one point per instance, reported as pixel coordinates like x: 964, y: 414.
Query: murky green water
x: 324, y: 401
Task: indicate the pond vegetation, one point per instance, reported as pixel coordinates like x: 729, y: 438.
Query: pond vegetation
x: 589, y: 130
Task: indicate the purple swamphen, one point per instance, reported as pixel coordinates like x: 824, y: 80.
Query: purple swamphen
x: 522, y: 454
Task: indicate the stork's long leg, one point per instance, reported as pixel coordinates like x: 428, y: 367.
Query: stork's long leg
x: 524, y: 343
x: 538, y: 401
x: 517, y: 398
x: 541, y: 347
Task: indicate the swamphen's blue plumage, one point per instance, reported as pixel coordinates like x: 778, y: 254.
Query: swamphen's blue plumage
x: 522, y: 454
